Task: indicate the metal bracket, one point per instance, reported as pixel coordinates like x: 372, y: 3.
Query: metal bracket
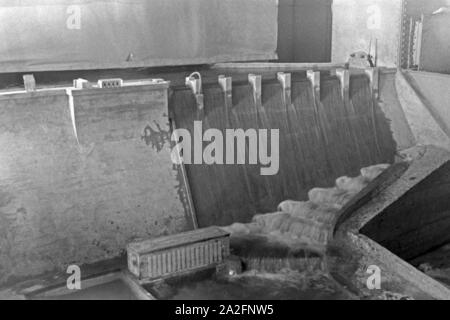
x: 344, y: 78
x: 314, y: 78
x: 194, y: 81
x: 226, y: 83
x: 374, y: 78
x: 286, y: 82
x: 255, y: 81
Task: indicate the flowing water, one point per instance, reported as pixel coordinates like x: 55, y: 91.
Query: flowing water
x: 320, y: 140
x: 282, y: 253
x: 286, y: 285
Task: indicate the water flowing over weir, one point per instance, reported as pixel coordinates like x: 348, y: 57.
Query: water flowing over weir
x: 321, y: 139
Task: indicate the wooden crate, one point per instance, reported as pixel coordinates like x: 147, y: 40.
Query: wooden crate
x: 171, y: 255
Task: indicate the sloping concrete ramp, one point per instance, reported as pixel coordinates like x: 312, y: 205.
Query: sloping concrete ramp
x: 405, y: 219
x: 78, y: 185
x: 414, y: 215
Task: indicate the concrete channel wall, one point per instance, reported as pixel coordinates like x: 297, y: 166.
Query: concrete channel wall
x: 79, y: 198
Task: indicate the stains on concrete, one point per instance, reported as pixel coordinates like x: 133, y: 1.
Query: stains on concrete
x: 156, y: 138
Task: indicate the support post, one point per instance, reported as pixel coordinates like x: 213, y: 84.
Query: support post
x: 374, y: 78
x: 344, y: 78
x: 226, y: 83
x: 255, y: 81
x: 29, y: 82
x: 194, y: 81
x: 314, y: 78
x: 286, y: 82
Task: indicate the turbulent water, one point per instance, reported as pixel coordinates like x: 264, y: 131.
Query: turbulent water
x: 321, y: 138
x: 309, y: 223
x: 283, y: 252
x: 262, y: 286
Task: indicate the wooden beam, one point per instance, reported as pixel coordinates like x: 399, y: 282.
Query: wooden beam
x: 281, y: 66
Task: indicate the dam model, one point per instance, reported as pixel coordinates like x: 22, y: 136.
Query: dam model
x: 154, y: 150
x: 328, y: 228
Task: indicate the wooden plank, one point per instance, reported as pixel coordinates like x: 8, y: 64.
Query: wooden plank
x: 127, y: 86
x: 280, y: 66
x: 181, y: 239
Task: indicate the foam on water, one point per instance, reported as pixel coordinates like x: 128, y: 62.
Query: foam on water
x: 308, y: 222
